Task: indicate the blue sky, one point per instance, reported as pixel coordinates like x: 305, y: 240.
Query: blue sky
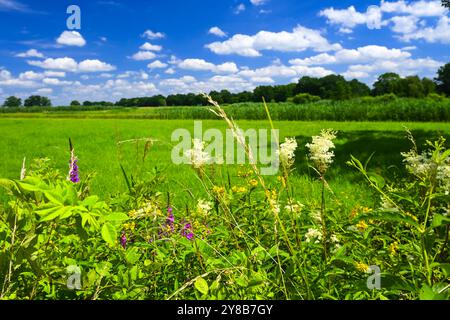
x: 141, y: 48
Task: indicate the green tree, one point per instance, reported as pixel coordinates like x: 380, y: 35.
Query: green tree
x: 443, y: 79
x: 12, y: 102
x: 37, y: 101
x: 359, y: 89
x: 309, y: 85
x: 428, y: 86
x: 446, y: 3
x: 75, y: 103
x: 386, y: 83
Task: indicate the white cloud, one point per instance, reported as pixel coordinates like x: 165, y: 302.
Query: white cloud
x: 299, y: 39
x: 156, y: 65
x: 66, y: 63
x: 30, y: 53
x: 94, y: 66
x: 404, y: 24
x: 217, y: 32
x: 45, y: 91
x: 12, y: 5
x: 240, y: 8
x: 282, y: 71
x: 262, y: 80
x: 202, y: 65
x: 71, y: 38
x: 170, y: 71
x: 439, y: 33
x: 149, y: 34
x: 55, y: 74
x: 143, y: 55
x: 55, y: 82
x: 5, y: 74
x: 416, y: 8
x: 69, y: 64
x: 150, y: 47
x: 360, y: 55
x: 258, y: 2
x: 349, y: 18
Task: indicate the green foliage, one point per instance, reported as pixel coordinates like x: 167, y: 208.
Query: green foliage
x: 302, y: 98
x: 12, y: 102
x: 37, y: 101
x: 75, y: 103
x: 443, y: 79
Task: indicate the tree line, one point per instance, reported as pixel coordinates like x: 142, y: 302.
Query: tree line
x: 307, y: 89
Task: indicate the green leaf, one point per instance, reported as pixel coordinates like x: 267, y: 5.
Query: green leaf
x: 440, y: 220
x: 117, y: 216
x: 389, y: 216
x: 201, y: 285
x: 377, y: 179
x: 109, y: 233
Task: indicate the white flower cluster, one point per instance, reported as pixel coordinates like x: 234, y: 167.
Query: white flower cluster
x: 294, y: 207
x: 424, y: 166
x: 313, y: 234
x: 197, y: 156
x: 319, y: 150
x: 204, y: 207
x: 287, y: 152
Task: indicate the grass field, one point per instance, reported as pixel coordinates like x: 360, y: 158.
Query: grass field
x: 96, y: 143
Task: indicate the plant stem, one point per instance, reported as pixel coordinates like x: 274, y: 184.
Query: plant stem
x: 322, y: 216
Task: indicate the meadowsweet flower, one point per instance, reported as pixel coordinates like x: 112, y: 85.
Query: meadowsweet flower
x: 294, y: 207
x: 313, y: 234
x: 319, y: 150
x: 197, y: 156
x: 316, y: 216
x: 204, y: 207
x: 287, y: 152
x: 73, y: 168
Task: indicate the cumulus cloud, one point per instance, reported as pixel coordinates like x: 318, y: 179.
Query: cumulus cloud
x: 71, y: 38
x: 202, y: 65
x: 169, y: 71
x: 150, y: 47
x: 156, y: 65
x: 32, y: 53
x: 143, y: 55
x: 439, y: 33
x: 149, y: 34
x: 349, y: 18
x: 416, y: 8
x: 362, y: 54
x: 300, y: 39
x: 217, y: 32
x: 258, y: 2
x: 69, y: 64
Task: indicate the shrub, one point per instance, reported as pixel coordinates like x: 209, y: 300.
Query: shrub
x: 302, y: 98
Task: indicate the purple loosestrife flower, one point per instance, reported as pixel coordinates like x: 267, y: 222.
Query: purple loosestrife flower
x: 123, y: 240
x: 170, y: 220
x: 73, y: 168
x: 187, y: 231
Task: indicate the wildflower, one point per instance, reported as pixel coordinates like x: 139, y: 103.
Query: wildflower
x: 197, y: 156
x: 319, y: 150
x: 129, y: 226
x: 253, y: 182
x: 287, y: 152
x: 316, y: 216
x: 362, y: 225
x: 218, y: 190
x: 361, y: 266
x: 294, y: 207
x: 204, y: 207
x: 239, y: 189
x: 123, y: 240
x: 393, y: 247
x: 187, y: 231
x: 313, y: 234
x: 23, y: 171
x: 170, y: 220
x: 73, y: 168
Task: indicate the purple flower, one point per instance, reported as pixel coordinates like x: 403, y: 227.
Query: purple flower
x: 170, y: 220
x: 73, y: 168
x: 123, y: 240
x: 187, y: 231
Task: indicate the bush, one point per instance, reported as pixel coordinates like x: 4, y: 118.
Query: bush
x: 436, y: 97
x: 386, y: 98
x: 302, y: 98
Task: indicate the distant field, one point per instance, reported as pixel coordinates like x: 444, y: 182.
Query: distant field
x: 96, y: 146
x: 363, y: 109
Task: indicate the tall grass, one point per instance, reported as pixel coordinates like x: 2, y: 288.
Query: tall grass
x: 363, y: 109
